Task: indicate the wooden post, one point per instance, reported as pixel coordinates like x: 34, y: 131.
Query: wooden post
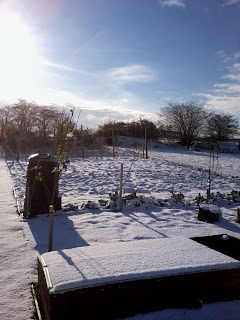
x: 28, y: 202
x: 113, y: 151
x: 83, y: 150
x: 120, y: 188
x: 143, y: 147
x: 146, y: 145
x: 102, y: 147
x: 50, y: 230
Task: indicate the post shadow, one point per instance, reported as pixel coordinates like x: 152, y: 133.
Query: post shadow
x: 64, y: 234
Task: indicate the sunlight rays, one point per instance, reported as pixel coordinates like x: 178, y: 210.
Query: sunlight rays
x: 19, y: 58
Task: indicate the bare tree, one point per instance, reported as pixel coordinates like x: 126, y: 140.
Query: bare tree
x: 47, y: 119
x: 221, y: 126
x: 5, y: 115
x: 186, y: 119
x: 23, y: 122
x: 27, y: 126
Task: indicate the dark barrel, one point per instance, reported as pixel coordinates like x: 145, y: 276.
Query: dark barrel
x: 41, y: 185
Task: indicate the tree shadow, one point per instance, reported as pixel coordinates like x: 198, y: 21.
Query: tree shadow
x: 135, y: 217
x: 225, y: 224
x: 64, y: 234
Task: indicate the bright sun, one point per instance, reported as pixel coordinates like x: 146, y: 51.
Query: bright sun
x: 19, y: 58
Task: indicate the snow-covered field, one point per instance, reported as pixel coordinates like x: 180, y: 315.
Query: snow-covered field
x: 153, y: 214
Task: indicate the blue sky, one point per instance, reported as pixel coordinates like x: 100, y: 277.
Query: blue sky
x: 118, y: 59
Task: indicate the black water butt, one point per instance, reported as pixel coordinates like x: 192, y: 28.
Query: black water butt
x: 41, y: 185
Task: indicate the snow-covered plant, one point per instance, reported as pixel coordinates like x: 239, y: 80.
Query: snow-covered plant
x: 102, y: 202
x: 89, y: 205
x: 130, y: 196
x: 177, y: 197
x: 113, y: 196
x: 199, y: 199
x: 70, y: 207
x: 235, y: 196
x: 212, y: 169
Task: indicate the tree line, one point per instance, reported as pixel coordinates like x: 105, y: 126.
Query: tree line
x: 190, y: 121
x: 26, y: 126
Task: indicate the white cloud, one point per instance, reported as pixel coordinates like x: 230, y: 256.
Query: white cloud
x: 225, y: 97
x: 231, y: 2
x: 93, y: 111
x: 132, y: 73
x: 233, y: 70
x: 172, y: 3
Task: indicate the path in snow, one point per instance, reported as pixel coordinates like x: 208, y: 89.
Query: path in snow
x: 17, y: 263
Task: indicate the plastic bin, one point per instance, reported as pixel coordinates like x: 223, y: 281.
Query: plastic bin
x: 41, y: 185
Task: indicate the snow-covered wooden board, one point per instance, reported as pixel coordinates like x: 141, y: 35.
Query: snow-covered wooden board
x: 124, y: 261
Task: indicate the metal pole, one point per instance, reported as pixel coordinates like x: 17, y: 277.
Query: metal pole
x: 50, y: 233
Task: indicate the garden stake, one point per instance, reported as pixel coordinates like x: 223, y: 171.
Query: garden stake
x: 146, y: 145
x: 120, y: 191
x: 50, y: 233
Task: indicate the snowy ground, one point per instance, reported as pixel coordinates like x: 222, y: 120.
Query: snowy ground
x: 154, y: 214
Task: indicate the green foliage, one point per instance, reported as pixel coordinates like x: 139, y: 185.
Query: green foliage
x: 102, y: 203
x: 70, y: 207
x: 234, y: 196
x: 199, y: 199
x: 89, y: 205
x: 177, y: 197
x: 130, y: 196
x: 38, y: 175
x: 113, y: 196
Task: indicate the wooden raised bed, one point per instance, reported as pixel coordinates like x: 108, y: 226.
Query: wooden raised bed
x: 122, y: 279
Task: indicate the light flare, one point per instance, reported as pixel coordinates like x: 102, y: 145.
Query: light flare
x: 20, y: 63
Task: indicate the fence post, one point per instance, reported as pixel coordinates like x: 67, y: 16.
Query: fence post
x: 120, y: 191
x: 113, y: 150
x: 50, y: 230
x: 28, y: 202
x: 146, y: 145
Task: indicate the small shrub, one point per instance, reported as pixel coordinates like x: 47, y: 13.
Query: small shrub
x: 89, y: 205
x: 102, y: 203
x: 70, y: 207
x: 199, y: 199
x: 177, y: 197
x: 130, y: 196
x: 113, y: 196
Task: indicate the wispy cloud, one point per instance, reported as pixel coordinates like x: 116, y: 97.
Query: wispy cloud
x: 231, y: 2
x: 58, y: 66
x: 97, y: 110
x: 94, y: 110
x: 225, y: 96
x: 132, y: 73
x: 172, y: 3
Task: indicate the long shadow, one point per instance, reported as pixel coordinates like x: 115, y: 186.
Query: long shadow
x: 84, y: 256
x: 70, y: 262
x: 224, y: 224
x: 64, y: 234
x: 149, y: 214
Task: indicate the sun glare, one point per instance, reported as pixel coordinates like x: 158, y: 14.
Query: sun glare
x: 19, y: 57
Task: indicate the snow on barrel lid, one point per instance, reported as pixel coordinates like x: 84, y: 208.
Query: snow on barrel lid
x: 210, y: 207
x: 95, y: 265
